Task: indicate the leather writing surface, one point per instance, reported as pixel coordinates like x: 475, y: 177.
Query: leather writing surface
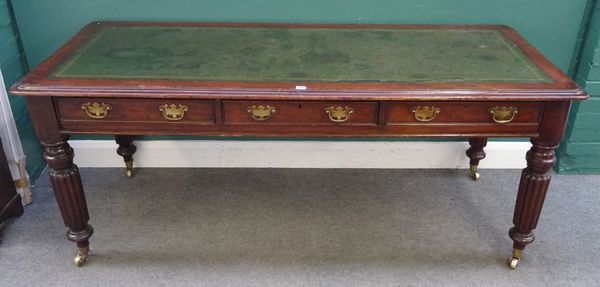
x: 281, y: 54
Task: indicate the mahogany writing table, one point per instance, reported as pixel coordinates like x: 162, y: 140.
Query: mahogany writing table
x: 284, y: 80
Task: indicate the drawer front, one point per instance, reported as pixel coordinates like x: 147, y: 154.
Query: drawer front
x: 299, y: 113
x: 504, y: 113
x: 132, y: 110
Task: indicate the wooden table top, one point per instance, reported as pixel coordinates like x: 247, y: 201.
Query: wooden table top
x: 125, y: 57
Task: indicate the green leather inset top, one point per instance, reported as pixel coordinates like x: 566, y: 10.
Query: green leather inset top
x: 300, y: 55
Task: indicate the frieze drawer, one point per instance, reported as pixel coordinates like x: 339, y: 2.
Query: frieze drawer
x: 131, y: 110
x: 299, y: 113
x: 501, y: 113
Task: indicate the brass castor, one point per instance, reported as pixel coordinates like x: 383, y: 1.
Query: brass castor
x: 129, y: 168
x: 474, y: 172
x: 82, y: 256
x: 513, y: 262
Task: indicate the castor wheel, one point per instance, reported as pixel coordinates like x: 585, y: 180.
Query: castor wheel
x: 129, y: 168
x: 513, y: 262
x: 474, y: 172
x: 81, y: 257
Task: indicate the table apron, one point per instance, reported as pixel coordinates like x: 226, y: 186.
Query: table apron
x: 271, y: 118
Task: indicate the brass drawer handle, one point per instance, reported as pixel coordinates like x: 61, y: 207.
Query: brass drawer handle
x: 425, y: 113
x: 261, y: 113
x: 96, y: 110
x: 173, y: 112
x: 503, y: 114
x: 339, y: 114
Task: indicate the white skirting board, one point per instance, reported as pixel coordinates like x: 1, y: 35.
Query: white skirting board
x: 299, y: 154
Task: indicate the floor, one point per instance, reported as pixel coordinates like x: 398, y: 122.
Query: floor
x: 306, y: 227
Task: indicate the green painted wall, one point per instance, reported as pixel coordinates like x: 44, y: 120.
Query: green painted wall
x: 13, y: 67
x: 580, y: 150
x: 553, y: 26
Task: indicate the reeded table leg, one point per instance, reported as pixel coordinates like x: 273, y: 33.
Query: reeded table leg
x: 126, y: 150
x: 64, y: 175
x: 68, y: 190
x: 476, y: 153
x: 535, y: 178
